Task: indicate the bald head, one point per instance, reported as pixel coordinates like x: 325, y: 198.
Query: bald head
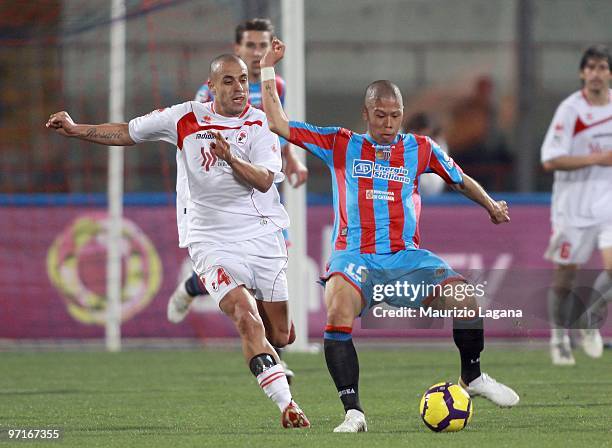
x: 382, y: 89
x: 228, y: 82
x: 219, y: 64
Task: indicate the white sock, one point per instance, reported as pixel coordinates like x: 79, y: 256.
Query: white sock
x: 557, y: 335
x: 274, y: 383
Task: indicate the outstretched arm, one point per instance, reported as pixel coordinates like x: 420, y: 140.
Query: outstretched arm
x: 277, y: 120
x: 498, y: 210
x: 110, y: 134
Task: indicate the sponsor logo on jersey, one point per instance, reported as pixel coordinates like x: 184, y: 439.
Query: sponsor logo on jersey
x: 369, y: 169
x: 394, y: 173
x: 362, y: 168
x: 210, y: 159
x: 205, y: 136
x: 382, y: 195
x: 241, y: 137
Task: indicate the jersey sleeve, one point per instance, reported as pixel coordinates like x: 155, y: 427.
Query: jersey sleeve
x: 315, y: 139
x: 203, y: 94
x: 157, y: 125
x: 558, y: 138
x: 266, y: 152
x: 443, y: 165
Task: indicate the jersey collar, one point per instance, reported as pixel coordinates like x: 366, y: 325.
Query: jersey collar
x: 369, y: 138
x: 242, y: 114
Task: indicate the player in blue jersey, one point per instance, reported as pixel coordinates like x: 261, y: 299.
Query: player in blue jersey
x: 252, y: 39
x: 376, y: 205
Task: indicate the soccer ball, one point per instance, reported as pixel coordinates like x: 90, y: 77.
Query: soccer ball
x: 446, y: 407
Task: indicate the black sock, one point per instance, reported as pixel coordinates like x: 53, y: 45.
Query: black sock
x: 343, y: 365
x: 193, y: 286
x: 469, y: 339
x: 261, y: 363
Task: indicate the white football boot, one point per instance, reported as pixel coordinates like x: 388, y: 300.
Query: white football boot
x: 354, y: 421
x: 592, y: 344
x: 178, y: 305
x: 561, y: 352
x: 487, y: 387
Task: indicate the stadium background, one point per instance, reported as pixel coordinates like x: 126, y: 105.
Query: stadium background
x: 490, y: 71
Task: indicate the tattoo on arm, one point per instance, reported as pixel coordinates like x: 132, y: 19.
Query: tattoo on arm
x: 92, y: 133
x: 270, y: 92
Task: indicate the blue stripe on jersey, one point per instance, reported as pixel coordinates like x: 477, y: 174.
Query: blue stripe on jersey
x: 353, y: 151
x: 411, y: 159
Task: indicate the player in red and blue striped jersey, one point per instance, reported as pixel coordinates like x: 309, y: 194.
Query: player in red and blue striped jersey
x: 377, y: 206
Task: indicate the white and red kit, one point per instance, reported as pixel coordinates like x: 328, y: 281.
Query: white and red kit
x: 581, y: 212
x: 215, y: 210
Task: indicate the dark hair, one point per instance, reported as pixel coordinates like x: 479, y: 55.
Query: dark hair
x: 598, y: 51
x: 418, y: 122
x: 257, y: 24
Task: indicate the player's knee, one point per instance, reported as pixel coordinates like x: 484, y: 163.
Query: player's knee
x: 279, y: 338
x: 337, y: 314
x: 563, y: 278
x: 291, y: 334
x: 248, y: 323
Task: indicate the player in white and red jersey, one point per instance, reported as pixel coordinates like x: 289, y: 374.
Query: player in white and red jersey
x: 229, y: 213
x: 252, y: 38
x: 578, y: 148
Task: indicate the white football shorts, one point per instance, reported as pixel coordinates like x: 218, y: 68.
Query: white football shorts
x: 260, y: 264
x: 575, y: 245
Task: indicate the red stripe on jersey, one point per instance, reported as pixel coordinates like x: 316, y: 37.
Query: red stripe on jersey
x: 301, y: 135
x: 429, y: 158
x: 246, y: 109
x: 367, y: 221
x: 581, y: 126
x: 340, y: 171
x: 423, y: 154
x: 188, y: 124
x: 425, y: 157
x: 396, y: 205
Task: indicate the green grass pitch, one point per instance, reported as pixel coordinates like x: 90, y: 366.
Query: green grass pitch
x: 208, y: 398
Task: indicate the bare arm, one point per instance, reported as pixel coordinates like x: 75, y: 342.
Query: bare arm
x: 277, y: 120
x: 570, y: 163
x: 498, y: 210
x: 255, y: 176
x: 110, y: 134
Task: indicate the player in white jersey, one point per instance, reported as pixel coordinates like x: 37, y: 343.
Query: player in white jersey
x: 229, y: 214
x: 578, y: 148
x: 252, y: 38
